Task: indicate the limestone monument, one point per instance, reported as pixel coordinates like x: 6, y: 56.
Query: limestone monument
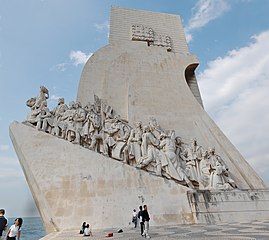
x: 136, y: 134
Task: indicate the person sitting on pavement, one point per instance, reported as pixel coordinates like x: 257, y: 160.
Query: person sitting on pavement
x: 83, y: 228
x: 87, y: 231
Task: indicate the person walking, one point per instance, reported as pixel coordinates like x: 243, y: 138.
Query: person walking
x: 3, y: 222
x: 15, y: 230
x: 134, y: 219
x: 146, y: 218
x: 140, y: 217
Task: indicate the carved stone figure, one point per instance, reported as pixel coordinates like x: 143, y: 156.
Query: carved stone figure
x: 51, y: 123
x: 41, y: 97
x: 109, y: 140
x: 180, y: 164
x: 193, y: 156
x: 97, y: 127
x: 92, y: 126
x: 120, y: 151
x: 59, y: 127
x: 134, y: 143
x: 155, y: 128
x: 67, y: 118
x: 213, y: 158
x: 205, y: 169
x: 169, y: 159
x: 219, y: 180
x: 43, y: 114
x: 78, y: 118
x: 149, y: 151
x: 32, y: 117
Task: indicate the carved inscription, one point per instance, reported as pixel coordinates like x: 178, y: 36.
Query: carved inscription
x: 144, y: 33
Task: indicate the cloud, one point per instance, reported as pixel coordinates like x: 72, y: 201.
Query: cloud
x: 102, y: 26
x: 4, y: 147
x: 235, y: 91
x: 60, y: 67
x: 203, y: 12
x: 54, y: 97
x: 78, y: 57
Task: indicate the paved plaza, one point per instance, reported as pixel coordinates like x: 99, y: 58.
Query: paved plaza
x: 232, y: 231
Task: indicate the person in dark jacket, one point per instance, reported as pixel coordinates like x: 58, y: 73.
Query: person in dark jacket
x: 140, y: 218
x: 3, y: 222
x: 83, y: 228
x: 145, y: 219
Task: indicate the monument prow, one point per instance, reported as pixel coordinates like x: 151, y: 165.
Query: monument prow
x: 137, y: 134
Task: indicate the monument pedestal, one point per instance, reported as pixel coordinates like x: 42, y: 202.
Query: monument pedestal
x: 214, y: 207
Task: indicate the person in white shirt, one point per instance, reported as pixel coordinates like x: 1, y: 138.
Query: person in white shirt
x: 15, y: 230
x: 134, y: 219
x: 87, y: 231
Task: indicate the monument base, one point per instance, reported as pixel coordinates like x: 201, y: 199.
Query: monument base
x: 214, y: 207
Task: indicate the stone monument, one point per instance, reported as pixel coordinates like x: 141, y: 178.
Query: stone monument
x: 137, y: 134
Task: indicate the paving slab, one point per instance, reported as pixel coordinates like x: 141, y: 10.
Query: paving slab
x: 232, y: 231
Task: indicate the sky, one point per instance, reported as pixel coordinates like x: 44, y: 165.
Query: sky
x: 47, y: 42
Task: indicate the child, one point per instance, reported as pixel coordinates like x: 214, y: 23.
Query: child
x: 15, y: 230
x: 134, y: 220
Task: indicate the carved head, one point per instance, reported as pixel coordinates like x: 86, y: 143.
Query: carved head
x: 218, y: 167
x: 153, y: 122
x: 138, y: 124
x: 78, y: 104
x: 71, y: 104
x: 146, y: 129
x: 60, y: 101
x: 163, y: 136
x: 204, y: 153
x: 44, y: 89
x: 212, y: 150
x: 178, y: 140
x: 87, y: 106
x: 117, y: 117
x: 194, y: 141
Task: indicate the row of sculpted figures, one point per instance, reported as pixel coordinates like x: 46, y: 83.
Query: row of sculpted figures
x: 148, y: 147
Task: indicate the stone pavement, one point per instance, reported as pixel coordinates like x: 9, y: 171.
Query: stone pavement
x: 232, y: 231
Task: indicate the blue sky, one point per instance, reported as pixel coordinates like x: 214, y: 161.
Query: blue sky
x: 46, y: 42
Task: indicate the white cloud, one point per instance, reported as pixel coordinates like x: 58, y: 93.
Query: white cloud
x: 102, y: 26
x: 235, y: 91
x: 59, y: 67
x: 78, y: 57
x: 54, y: 97
x: 203, y: 12
x: 4, y: 147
